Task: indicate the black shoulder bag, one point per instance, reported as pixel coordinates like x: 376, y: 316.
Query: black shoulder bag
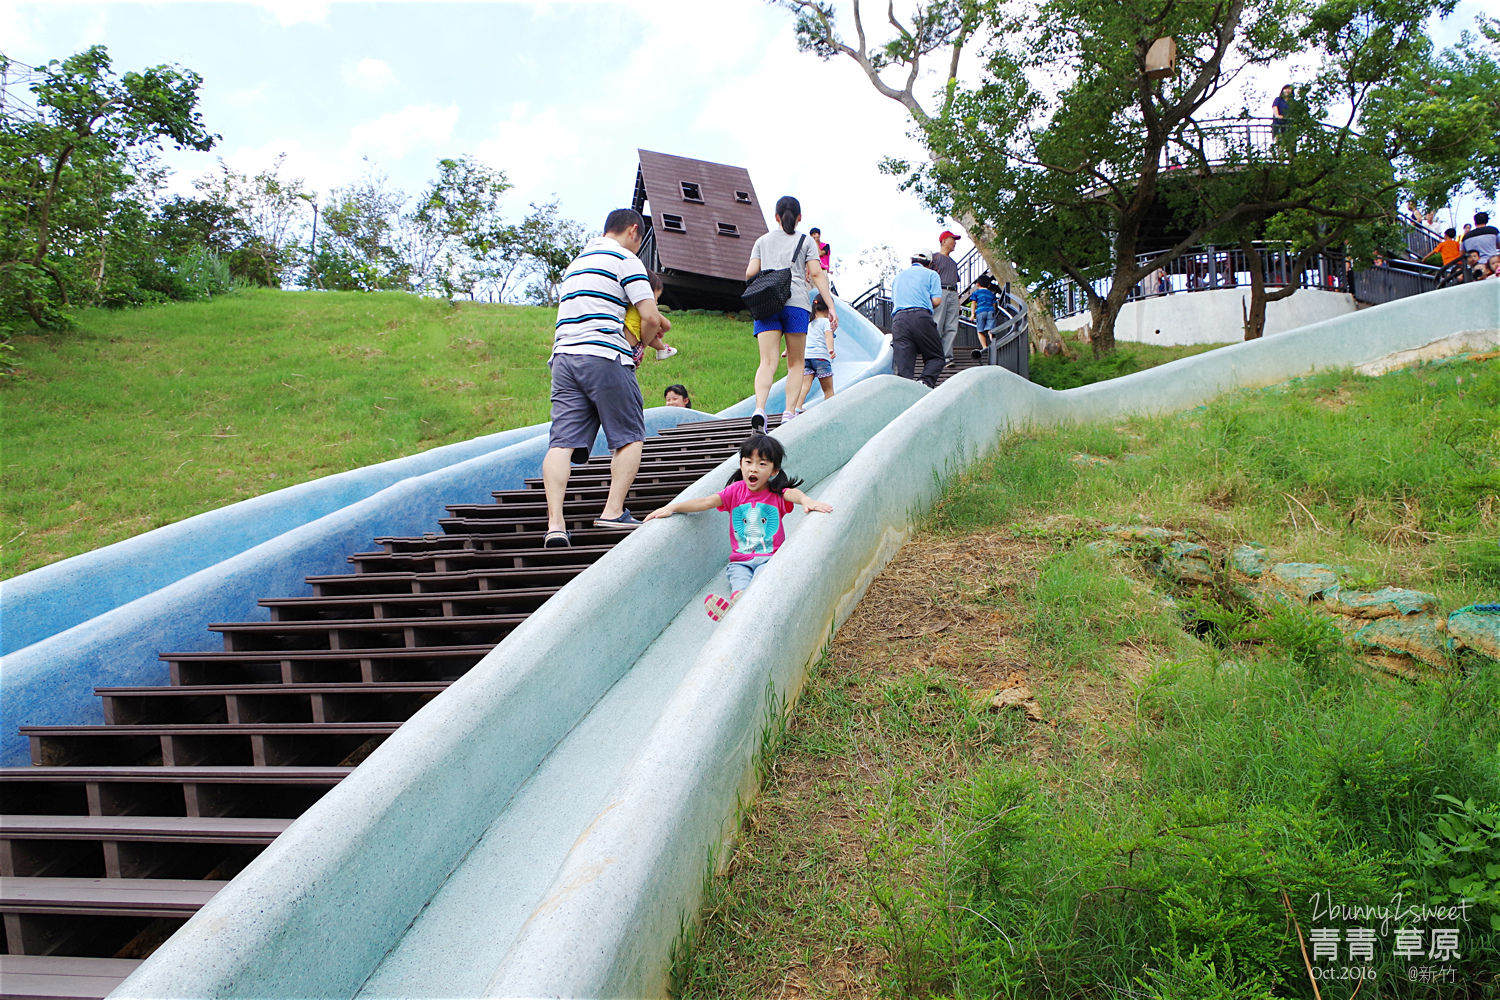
x: 768, y: 292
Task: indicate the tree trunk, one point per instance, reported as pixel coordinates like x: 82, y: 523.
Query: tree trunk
x: 1255, y: 319
x: 1105, y: 312
x: 1039, y: 317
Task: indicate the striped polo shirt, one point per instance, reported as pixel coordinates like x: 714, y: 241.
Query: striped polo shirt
x: 600, y: 284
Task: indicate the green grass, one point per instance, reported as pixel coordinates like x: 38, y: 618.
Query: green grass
x: 1145, y: 838
x: 139, y: 418
x: 1399, y: 475
x: 1063, y: 372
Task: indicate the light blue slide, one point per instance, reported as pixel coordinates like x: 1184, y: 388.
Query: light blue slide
x: 101, y: 618
x: 543, y: 828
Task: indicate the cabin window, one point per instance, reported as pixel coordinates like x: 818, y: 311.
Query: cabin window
x: 672, y: 223
x: 743, y: 197
x: 692, y: 192
x: 728, y: 229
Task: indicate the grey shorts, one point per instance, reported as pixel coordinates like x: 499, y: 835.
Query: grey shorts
x: 589, y: 393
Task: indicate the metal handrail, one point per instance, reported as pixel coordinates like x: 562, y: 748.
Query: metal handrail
x: 1010, y: 341
x: 1207, y: 267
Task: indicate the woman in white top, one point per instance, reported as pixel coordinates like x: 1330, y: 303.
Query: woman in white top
x: 774, y: 250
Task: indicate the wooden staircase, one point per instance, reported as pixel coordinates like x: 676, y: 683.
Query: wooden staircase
x: 120, y: 832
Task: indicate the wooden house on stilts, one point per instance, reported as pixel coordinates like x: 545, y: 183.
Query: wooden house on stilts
x: 702, y: 219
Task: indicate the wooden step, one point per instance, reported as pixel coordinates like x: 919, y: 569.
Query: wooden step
x: 167, y: 791
x: 347, y: 635
x: 462, y: 581
x: 289, y: 743
x: 132, y: 846
x: 133, y: 897
x: 315, y: 666
x: 45, y: 977
x: 388, y: 701
x: 435, y: 604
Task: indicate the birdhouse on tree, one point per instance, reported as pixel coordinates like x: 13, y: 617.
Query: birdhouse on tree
x: 1161, y: 59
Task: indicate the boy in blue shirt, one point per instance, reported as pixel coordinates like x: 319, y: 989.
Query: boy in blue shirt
x: 983, y: 298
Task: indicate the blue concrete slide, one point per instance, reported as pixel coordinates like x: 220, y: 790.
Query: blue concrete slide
x: 544, y: 827
x: 101, y: 618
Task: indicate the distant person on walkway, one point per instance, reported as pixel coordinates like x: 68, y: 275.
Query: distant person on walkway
x: 775, y: 250
x: 757, y: 498
x: 947, y: 271
x: 1447, y: 251
x: 825, y: 256
x: 593, y: 370
x: 915, y: 293
x: 984, y: 309
x: 1483, y: 237
x: 1281, y: 110
x: 677, y: 395
x: 817, y: 363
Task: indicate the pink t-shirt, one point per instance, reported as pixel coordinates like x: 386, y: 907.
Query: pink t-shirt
x: 755, y: 521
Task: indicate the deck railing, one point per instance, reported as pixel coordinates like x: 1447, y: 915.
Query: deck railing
x: 1010, y: 345
x: 1209, y: 267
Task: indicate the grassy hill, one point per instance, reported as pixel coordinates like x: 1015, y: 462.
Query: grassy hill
x: 139, y: 418
x: 1034, y: 765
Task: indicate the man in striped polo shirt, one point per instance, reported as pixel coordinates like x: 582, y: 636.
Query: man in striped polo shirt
x: 593, y: 370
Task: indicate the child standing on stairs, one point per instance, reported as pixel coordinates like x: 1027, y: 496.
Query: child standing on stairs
x: 758, y: 497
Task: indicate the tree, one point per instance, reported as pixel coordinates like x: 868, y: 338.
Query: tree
x: 269, y: 212
x: 65, y: 171
x: 880, y: 261
x: 1443, y: 111
x: 941, y: 29
x: 361, y: 248
x: 552, y: 242
x: 456, y: 222
x: 1061, y: 146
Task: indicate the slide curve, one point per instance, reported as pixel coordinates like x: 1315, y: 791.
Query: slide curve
x: 544, y: 827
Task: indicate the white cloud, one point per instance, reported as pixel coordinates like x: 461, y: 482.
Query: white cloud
x: 289, y: 12
x: 249, y: 97
x: 15, y: 30
x: 372, y: 75
x: 538, y: 150
x: 392, y: 136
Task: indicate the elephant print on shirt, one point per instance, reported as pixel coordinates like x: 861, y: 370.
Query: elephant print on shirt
x: 755, y: 526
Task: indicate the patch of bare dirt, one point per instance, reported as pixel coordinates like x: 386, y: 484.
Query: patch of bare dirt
x: 946, y: 611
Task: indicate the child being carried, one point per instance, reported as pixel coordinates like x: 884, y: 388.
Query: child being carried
x: 758, y: 497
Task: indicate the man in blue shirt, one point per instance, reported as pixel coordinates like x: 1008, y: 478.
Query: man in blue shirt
x: 914, y: 294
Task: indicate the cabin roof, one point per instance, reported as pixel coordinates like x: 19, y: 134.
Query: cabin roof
x: 710, y: 234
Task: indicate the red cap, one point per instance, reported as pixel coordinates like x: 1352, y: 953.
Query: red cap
x: 946, y: 233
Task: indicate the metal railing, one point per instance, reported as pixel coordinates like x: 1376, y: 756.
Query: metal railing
x: 1397, y: 280
x: 1208, y: 267
x: 1010, y: 343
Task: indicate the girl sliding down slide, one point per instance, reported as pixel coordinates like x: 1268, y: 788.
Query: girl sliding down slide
x: 758, y: 497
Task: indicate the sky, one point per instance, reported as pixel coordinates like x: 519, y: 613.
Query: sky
x: 557, y: 95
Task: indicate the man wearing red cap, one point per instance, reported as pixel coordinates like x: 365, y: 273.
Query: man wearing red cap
x: 947, y: 272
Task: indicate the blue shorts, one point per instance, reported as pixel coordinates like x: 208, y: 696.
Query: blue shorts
x: 741, y: 573
x: 817, y: 367
x: 789, y: 320
x: 984, y: 321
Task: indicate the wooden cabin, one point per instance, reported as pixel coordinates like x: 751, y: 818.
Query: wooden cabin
x: 703, y: 218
